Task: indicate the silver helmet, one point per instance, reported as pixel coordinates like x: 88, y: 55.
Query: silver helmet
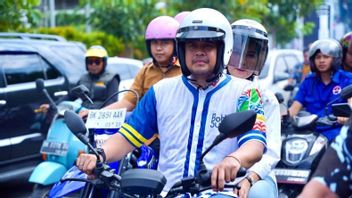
x: 327, y: 47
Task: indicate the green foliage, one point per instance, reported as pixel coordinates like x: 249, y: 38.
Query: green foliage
x: 113, y: 45
x: 72, y: 18
x: 16, y: 14
x: 126, y: 19
x: 281, y: 21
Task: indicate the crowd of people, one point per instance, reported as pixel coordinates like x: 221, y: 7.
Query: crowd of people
x: 203, y: 68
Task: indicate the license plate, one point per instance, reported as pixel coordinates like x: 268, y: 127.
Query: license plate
x: 106, y: 118
x: 54, y: 148
x: 295, y: 176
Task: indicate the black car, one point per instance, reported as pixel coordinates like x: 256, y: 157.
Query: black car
x: 23, y: 59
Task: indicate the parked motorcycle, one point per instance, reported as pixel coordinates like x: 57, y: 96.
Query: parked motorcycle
x: 148, y: 182
x: 60, y: 148
x: 303, y: 147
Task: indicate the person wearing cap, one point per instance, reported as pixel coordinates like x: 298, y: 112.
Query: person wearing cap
x: 96, y: 78
x: 323, y: 85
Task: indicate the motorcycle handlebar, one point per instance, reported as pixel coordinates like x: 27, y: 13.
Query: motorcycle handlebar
x: 199, y: 183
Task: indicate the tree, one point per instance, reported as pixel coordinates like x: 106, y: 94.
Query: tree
x: 278, y: 16
x: 16, y: 14
x: 283, y: 15
x: 125, y: 19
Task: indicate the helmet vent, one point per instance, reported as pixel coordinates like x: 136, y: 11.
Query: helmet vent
x: 197, y: 21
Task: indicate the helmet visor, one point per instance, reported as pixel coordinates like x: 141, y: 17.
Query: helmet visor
x: 200, y: 33
x: 248, y: 53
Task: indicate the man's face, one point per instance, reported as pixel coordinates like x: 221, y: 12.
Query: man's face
x: 162, y: 51
x: 95, y: 65
x: 323, y: 62
x: 201, y: 57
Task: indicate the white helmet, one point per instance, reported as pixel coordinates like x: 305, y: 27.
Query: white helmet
x: 205, y: 24
x: 250, y: 45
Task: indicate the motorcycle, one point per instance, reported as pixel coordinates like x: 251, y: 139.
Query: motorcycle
x: 150, y: 183
x: 303, y: 147
x: 101, y: 124
x: 60, y: 148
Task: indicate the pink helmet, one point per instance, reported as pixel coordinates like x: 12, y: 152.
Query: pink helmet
x: 180, y: 16
x: 162, y: 27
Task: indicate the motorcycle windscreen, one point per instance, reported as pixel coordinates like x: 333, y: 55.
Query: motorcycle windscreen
x: 248, y: 53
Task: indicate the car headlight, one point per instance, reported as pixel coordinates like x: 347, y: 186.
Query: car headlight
x: 295, y: 150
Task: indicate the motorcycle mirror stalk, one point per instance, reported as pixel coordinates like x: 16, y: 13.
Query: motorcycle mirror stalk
x: 76, y: 125
x: 39, y: 83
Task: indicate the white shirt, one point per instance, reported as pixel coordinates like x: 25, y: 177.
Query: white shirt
x: 187, y: 119
x: 272, y: 155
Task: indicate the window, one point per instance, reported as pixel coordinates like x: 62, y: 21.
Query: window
x: 281, y: 66
x: 49, y: 71
x: 22, y: 68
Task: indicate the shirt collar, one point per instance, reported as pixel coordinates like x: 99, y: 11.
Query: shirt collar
x: 336, y: 76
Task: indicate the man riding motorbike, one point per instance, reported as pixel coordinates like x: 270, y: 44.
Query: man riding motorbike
x: 185, y: 110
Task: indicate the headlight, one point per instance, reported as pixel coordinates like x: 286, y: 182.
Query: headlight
x: 295, y: 150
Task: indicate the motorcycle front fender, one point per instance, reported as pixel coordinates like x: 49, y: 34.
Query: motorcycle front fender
x: 47, y: 173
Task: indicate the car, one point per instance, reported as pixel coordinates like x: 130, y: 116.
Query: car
x: 23, y: 59
x: 278, y: 69
x: 127, y: 68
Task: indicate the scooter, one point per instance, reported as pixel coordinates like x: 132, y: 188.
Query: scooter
x: 61, y: 148
x: 302, y: 147
x: 150, y: 183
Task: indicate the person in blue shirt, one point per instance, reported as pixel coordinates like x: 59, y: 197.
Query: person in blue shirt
x: 323, y: 85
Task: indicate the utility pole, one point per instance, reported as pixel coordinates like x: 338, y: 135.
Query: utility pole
x: 323, y: 13
x: 87, y: 15
x: 52, y: 13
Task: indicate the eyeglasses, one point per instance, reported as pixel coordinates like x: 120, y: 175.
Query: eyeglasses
x: 96, y: 61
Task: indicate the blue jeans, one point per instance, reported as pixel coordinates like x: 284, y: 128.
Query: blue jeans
x: 264, y: 188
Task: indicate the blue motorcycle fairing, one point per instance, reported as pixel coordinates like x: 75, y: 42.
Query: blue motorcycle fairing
x: 61, y: 189
x: 53, y: 172
x: 64, y: 188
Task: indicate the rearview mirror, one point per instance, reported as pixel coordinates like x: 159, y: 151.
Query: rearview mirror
x: 346, y: 92
x: 237, y: 123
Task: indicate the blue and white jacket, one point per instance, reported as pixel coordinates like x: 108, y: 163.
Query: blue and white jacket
x: 187, y: 118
